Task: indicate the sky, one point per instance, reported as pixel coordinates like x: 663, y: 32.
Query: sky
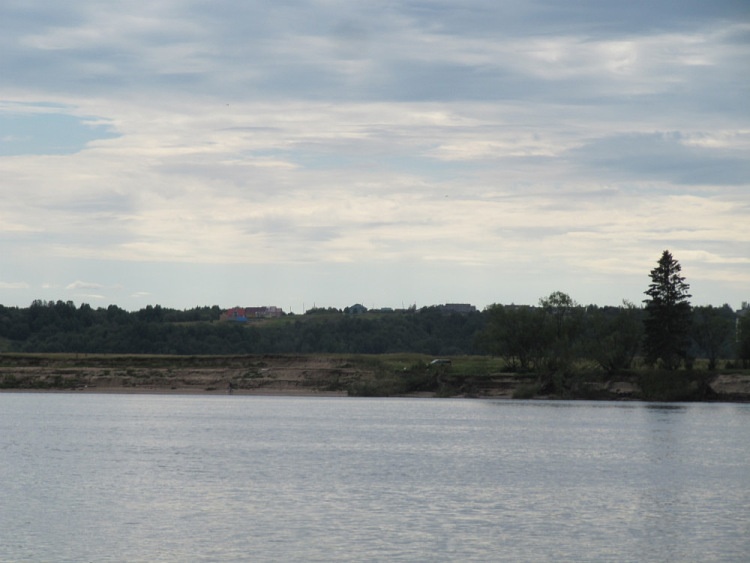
x: 304, y: 153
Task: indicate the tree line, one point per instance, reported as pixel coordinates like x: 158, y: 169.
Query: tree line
x: 50, y: 327
x: 667, y: 332
x: 553, y: 336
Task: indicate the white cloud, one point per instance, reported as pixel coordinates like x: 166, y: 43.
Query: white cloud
x: 83, y: 285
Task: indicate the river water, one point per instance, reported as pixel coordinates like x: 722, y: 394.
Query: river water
x: 237, y: 478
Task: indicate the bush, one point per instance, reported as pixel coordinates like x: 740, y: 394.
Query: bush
x: 672, y: 386
x: 526, y: 391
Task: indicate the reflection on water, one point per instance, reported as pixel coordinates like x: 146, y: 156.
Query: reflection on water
x: 177, y: 478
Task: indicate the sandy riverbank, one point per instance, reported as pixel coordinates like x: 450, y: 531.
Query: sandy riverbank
x: 266, y: 375
x: 313, y: 375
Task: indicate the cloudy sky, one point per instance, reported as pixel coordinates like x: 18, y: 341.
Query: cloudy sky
x: 327, y: 152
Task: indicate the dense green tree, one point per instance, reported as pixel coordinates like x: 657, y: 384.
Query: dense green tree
x: 713, y: 329
x: 515, y: 332
x: 562, y: 327
x: 668, y: 314
x: 743, y: 336
x: 614, y: 336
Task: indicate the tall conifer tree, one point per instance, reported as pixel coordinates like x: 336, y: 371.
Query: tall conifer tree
x: 668, y: 314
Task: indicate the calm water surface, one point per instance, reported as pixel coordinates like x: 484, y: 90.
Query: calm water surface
x: 209, y: 478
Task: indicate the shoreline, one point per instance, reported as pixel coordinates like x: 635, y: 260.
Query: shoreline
x: 180, y: 391
x: 349, y: 376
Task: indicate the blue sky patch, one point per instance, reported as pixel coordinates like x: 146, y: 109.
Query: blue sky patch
x: 47, y: 133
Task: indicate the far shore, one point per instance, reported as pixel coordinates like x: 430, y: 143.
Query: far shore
x: 181, y: 391
x: 319, y: 375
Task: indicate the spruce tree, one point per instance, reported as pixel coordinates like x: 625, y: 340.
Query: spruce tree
x: 668, y: 314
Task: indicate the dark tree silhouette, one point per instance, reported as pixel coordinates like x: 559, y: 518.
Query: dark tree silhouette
x: 713, y: 329
x: 668, y: 314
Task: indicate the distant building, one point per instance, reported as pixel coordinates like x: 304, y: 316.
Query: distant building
x: 458, y: 308
x: 234, y: 314
x: 356, y: 309
x: 243, y: 314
